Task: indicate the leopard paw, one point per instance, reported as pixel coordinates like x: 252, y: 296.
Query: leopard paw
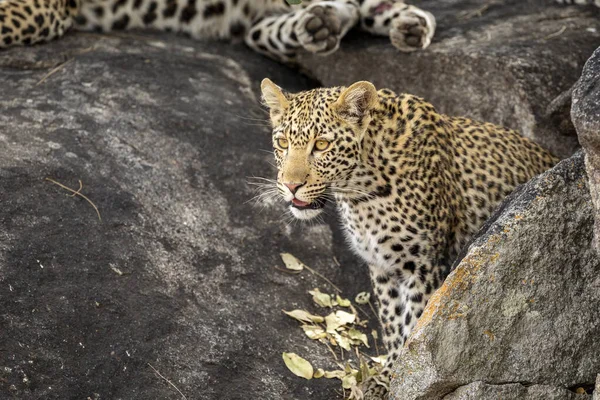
x: 412, y: 30
x: 319, y: 30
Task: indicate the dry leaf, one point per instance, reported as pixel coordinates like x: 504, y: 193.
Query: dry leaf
x: 379, y: 360
x: 292, y: 262
x: 319, y: 373
x: 338, y: 319
x: 342, y: 341
x: 298, y: 365
x: 322, y: 299
x: 334, y: 374
x: 357, y: 335
x: 314, y: 332
x: 304, y: 316
x: 348, y: 381
x: 342, y: 302
x: 363, y: 298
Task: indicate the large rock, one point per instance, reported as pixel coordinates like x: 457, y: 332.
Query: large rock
x: 510, y: 62
x: 585, y: 113
x: 521, y: 306
x: 481, y: 390
x: 164, y: 133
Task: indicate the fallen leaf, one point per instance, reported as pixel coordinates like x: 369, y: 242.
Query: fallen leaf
x: 298, y: 365
x: 319, y: 373
x: 348, y: 381
x: 314, y: 332
x: 292, y: 262
x: 342, y: 302
x: 357, y: 335
x: 304, y: 316
x: 322, y: 299
x: 379, y: 360
x: 342, y: 341
x: 363, y: 298
x: 334, y: 374
x: 338, y: 319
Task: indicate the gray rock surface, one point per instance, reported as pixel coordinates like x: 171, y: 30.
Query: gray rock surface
x: 597, y: 388
x: 585, y: 113
x: 164, y: 133
x: 510, y: 62
x: 521, y: 305
x: 481, y: 390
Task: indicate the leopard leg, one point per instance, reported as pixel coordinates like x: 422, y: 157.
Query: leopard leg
x: 408, y: 27
x: 580, y: 2
x: 33, y: 21
x: 402, y: 292
x: 317, y: 28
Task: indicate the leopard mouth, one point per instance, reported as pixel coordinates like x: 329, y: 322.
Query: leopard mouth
x: 316, y: 204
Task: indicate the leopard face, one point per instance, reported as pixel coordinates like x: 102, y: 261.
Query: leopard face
x: 317, y: 139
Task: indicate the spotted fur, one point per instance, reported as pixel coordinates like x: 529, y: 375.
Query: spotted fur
x: 271, y: 27
x: 411, y: 185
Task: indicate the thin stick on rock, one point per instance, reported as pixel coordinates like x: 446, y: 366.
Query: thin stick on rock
x: 53, y: 71
x: 556, y: 34
x: 312, y: 271
x: 76, y: 192
x: 168, y: 381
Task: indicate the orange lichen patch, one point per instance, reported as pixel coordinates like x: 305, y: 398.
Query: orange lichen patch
x: 457, y: 283
x: 456, y: 316
x: 519, y: 217
x: 490, y: 334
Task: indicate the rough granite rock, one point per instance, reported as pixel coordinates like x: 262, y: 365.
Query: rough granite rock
x: 164, y: 133
x: 481, y: 390
x: 521, y: 305
x: 585, y: 113
x: 597, y: 389
x: 511, y: 62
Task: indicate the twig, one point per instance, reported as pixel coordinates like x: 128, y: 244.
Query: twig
x: 53, y: 71
x: 78, y: 190
x: 77, y: 193
x: 331, y: 350
x: 558, y: 33
x: 374, y: 312
x: 335, y: 260
x: 375, y: 341
x: 168, y: 381
x: 477, y: 12
x: 312, y: 271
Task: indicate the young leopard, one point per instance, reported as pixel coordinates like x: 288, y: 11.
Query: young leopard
x: 411, y: 185
x: 271, y: 27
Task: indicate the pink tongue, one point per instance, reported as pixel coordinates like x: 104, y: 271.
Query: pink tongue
x: 382, y: 7
x: 299, y: 203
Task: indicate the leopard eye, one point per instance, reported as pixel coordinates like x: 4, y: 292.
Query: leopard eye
x: 321, y: 145
x: 282, y: 143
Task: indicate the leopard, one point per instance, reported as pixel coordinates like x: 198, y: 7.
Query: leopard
x: 274, y: 28
x: 411, y: 186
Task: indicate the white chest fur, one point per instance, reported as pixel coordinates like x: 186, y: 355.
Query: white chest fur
x: 363, y: 231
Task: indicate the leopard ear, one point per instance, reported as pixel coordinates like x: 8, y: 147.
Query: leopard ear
x: 274, y: 98
x: 356, y: 101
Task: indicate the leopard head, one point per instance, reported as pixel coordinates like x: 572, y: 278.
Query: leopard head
x: 317, y: 138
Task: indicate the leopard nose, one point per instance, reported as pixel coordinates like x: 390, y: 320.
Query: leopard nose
x: 293, y: 186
